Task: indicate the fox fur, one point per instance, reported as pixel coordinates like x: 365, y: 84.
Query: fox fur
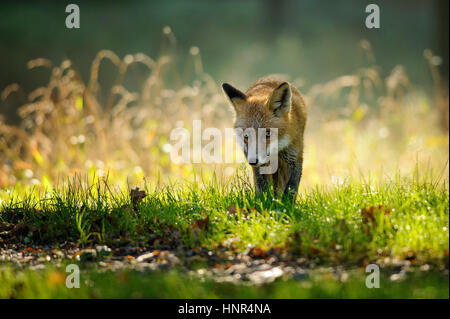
x: 273, y: 103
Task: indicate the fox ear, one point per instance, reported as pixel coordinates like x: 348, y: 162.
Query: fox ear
x: 233, y: 94
x: 280, y: 101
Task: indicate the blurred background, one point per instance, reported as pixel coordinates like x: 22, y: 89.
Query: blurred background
x: 103, y: 99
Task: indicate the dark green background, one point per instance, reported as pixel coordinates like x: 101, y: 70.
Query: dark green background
x: 238, y: 40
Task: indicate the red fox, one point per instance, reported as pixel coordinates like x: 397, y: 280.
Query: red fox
x: 272, y: 103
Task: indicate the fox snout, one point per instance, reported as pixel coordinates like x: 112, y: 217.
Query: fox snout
x: 254, y: 161
x: 252, y: 158
x: 257, y: 155
x: 257, y: 143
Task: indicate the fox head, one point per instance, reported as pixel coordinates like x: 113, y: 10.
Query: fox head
x: 261, y: 120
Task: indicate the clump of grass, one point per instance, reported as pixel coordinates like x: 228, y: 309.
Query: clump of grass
x: 344, y: 224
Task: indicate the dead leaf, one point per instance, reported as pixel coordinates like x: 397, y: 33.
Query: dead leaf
x: 201, y: 223
x: 315, y: 251
x: 232, y: 210
x: 137, y: 196
x: 29, y: 250
x: 256, y: 252
x: 370, y: 214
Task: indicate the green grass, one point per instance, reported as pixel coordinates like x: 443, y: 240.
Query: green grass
x: 413, y: 218
x: 50, y: 283
x: 348, y: 225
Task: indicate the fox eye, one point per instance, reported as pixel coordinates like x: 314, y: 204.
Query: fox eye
x: 245, y: 136
x: 268, y: 133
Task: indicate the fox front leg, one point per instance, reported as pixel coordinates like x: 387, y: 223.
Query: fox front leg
x: 295, y: 174
x: 261, y: 182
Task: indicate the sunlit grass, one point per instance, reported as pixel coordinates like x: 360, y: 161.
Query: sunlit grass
x: 408, y: 217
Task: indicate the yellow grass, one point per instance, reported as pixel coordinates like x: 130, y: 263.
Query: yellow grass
x: 359, y: 125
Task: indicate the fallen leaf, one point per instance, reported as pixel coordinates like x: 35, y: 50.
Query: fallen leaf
x: 315, y: 250
x: 370, y: 214
x: 137, y: 196
x: 232, y: 210
x: 201, y: 223
x: 257, y: 253
x: 30, y: 250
